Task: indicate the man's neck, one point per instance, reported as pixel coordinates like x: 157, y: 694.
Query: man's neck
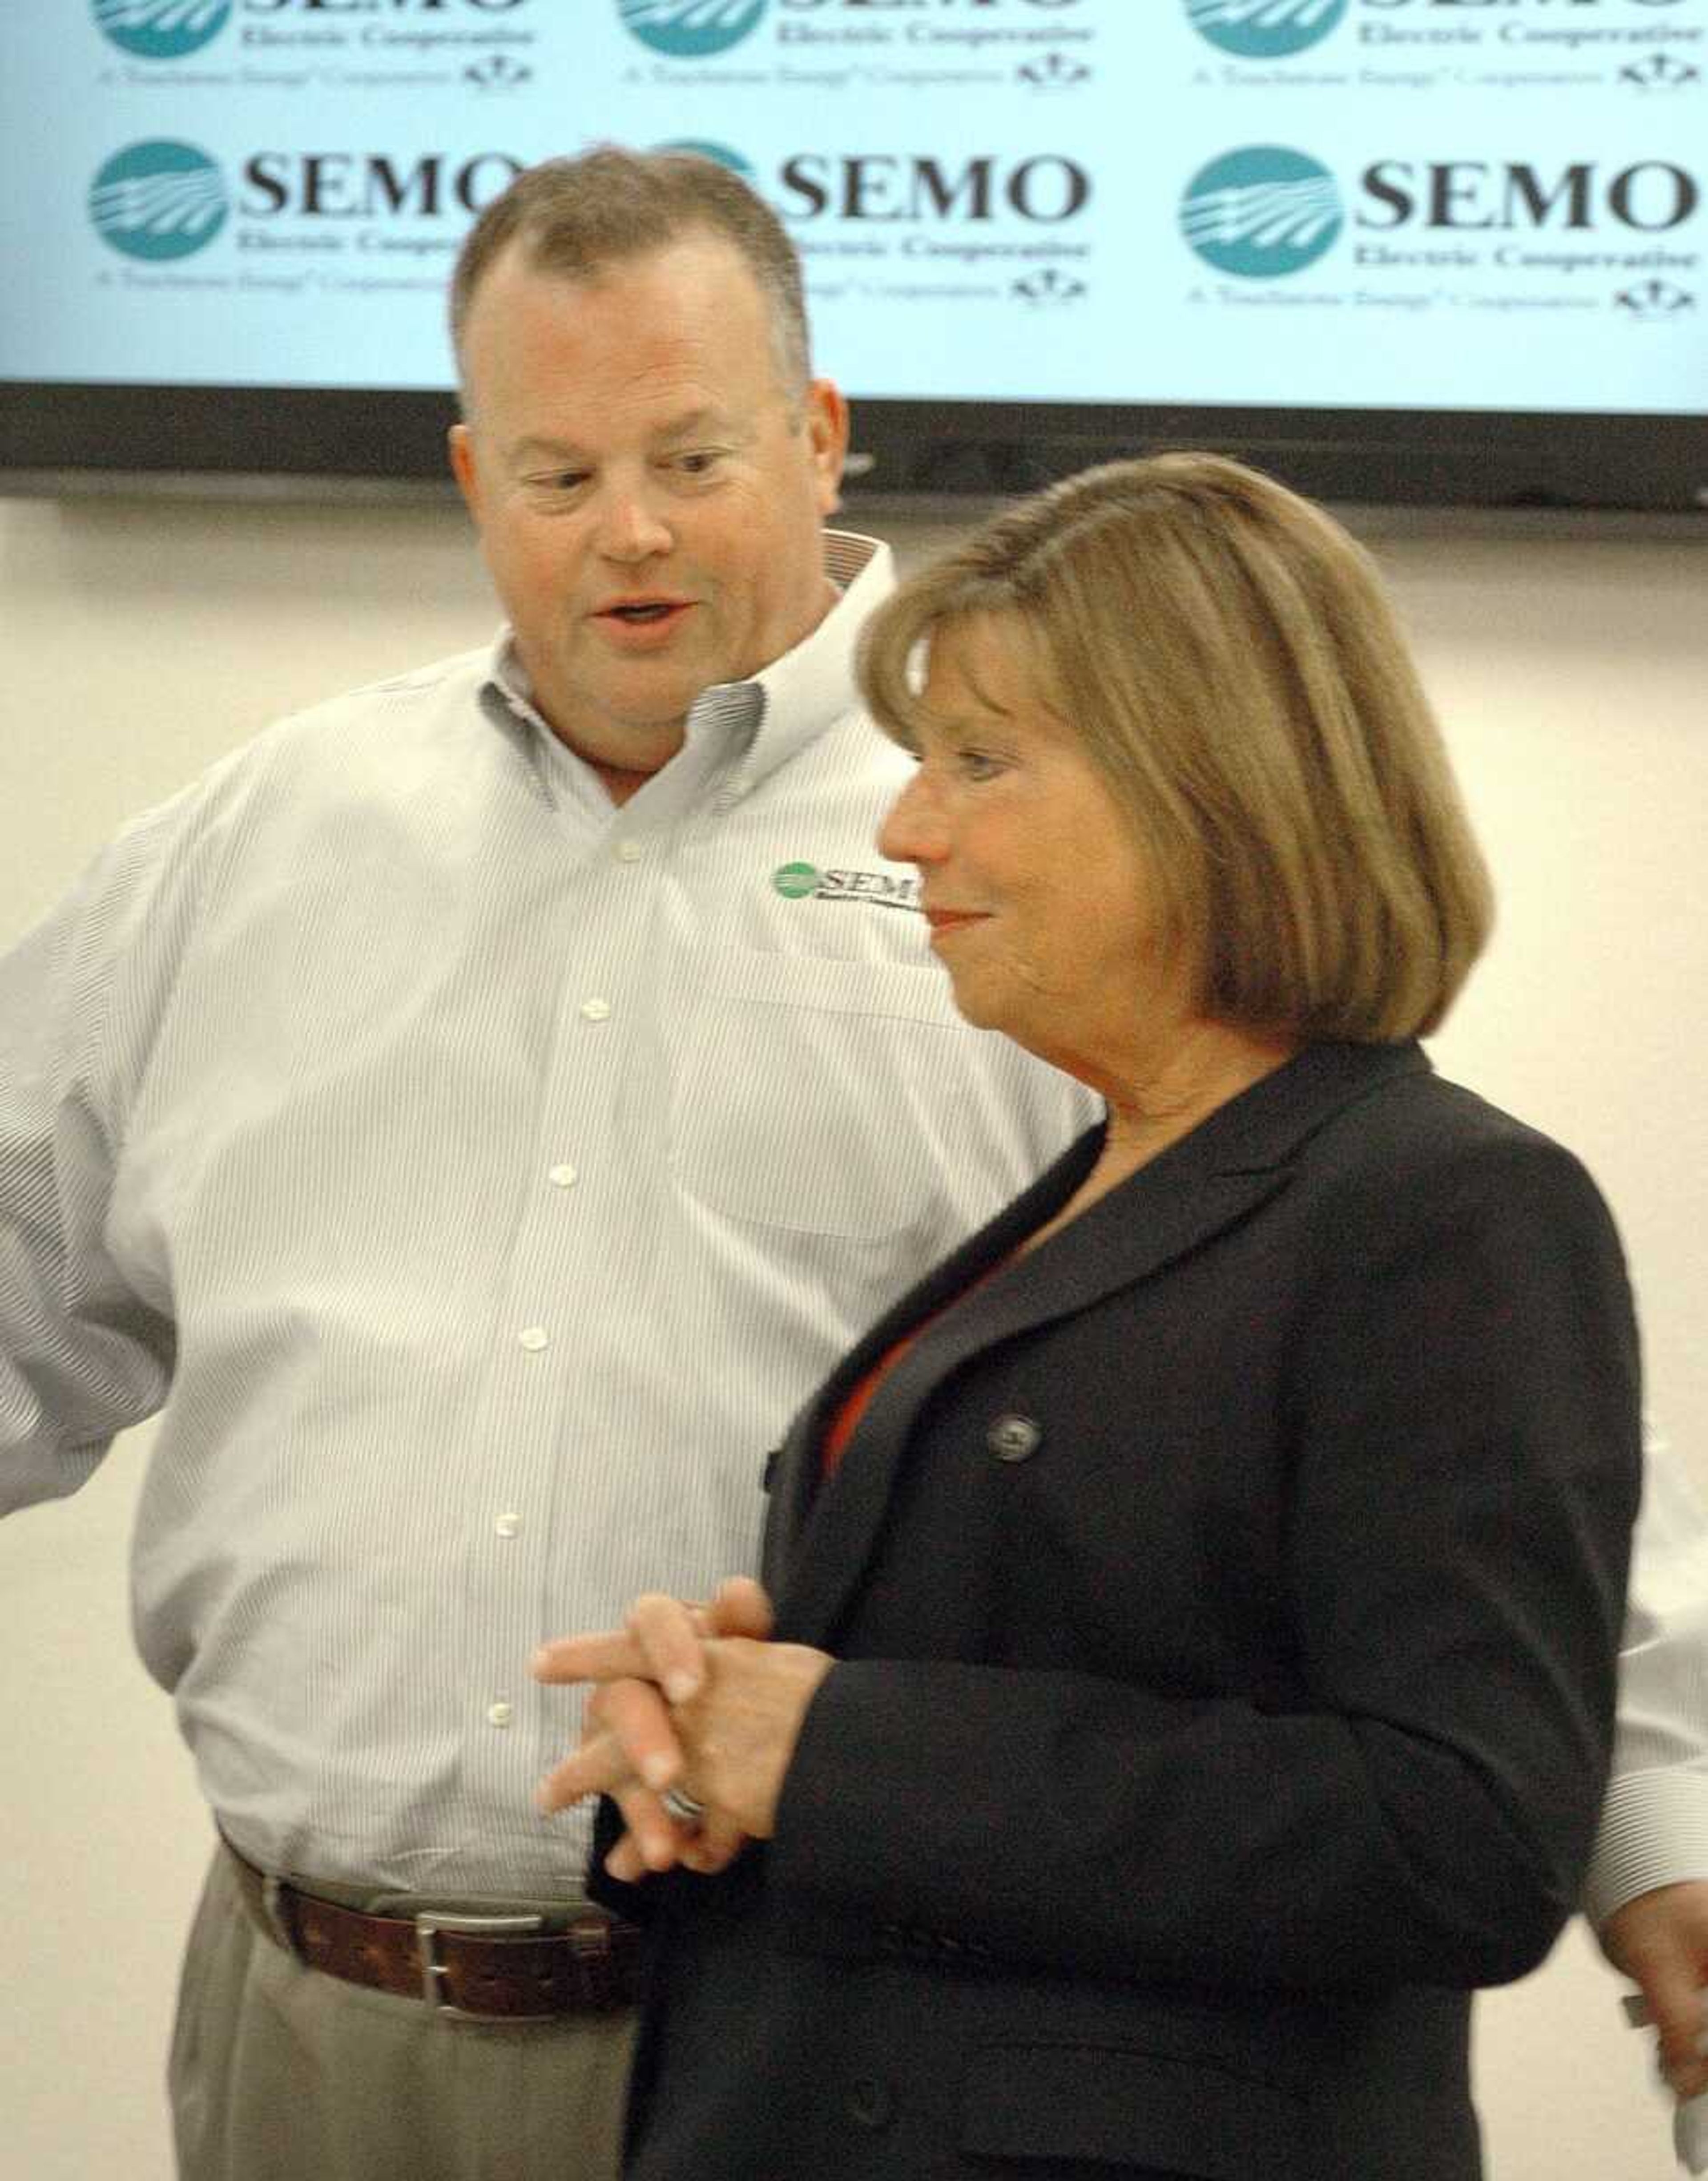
x: 620, y: 782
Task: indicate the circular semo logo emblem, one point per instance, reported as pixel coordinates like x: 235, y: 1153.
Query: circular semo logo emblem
x: 795, y: 881
x: 703, y: 147
x: 1264, y: 29
x: 690, y: 30
x: 1261, y: 211
x: 158, y: 200
x: 161, y: 29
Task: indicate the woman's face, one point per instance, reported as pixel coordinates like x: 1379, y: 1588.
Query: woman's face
x: 1033, y: 887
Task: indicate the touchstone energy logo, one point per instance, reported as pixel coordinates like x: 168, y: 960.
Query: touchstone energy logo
x: 691, y: 30
x: 1261, y: 211
x: 161, y: 30
x: 1264, y: 29
x: 158, y: 200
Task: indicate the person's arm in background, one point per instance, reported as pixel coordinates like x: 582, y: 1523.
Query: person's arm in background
x: 1647, y: 1892
x: 82, y: 1355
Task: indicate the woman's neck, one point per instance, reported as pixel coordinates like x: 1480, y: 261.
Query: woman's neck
x: 1201, y: 1065
x: 1154, y: 1104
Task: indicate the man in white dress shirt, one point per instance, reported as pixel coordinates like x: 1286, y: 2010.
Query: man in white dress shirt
x: 486, y: 1104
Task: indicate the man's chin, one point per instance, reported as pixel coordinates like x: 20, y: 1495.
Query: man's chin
x: 631, y: 734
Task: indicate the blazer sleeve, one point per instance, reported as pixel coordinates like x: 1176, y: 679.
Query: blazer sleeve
x: 1464, y: 1428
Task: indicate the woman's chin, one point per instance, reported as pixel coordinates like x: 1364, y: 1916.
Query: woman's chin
x: 975, y: 1007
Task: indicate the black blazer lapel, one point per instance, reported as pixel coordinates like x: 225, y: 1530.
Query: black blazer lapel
x: 817, y: 1542
x: 798, y: 1466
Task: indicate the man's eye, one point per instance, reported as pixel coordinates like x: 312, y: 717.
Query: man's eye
x: 980, y: 765
x: 700, y: 462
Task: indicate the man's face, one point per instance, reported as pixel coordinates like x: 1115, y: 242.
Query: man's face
x: 648, y: 496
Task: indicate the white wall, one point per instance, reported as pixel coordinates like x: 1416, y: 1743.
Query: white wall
x: 145, y: 637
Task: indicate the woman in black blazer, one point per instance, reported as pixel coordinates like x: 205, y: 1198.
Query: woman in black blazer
x: 1197, y: 1604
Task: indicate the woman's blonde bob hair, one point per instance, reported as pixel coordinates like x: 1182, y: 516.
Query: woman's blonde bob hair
x: 1228, y: 656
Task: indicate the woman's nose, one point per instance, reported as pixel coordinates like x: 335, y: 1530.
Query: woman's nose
x: 911, y: 832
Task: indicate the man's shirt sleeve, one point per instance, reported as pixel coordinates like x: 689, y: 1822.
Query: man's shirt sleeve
x: 82, y: 1355
x: 1654, y: 1829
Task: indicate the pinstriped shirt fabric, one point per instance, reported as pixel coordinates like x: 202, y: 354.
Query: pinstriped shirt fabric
x: 1654, y: 1829
x: 486, y: 1173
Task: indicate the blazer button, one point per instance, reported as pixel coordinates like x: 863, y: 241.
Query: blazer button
x: 1013, y: 1438
x: 869, y: 2102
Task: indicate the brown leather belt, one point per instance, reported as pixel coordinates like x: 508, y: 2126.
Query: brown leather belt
x: 499, y: 1969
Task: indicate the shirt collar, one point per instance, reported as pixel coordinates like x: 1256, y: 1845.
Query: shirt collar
x: 743, y: 730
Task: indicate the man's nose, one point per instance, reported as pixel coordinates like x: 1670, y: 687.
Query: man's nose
x: 632, y: 529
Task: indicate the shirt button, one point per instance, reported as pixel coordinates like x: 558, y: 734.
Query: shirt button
x: 628, y: 852
x: 507, y: 1524
x: 595, y: 1010
x: 533, y: 1337
x: 500, y: 1714
x: 870, y: 2104
x: 561, y: 1177
x: 1013, y: 1437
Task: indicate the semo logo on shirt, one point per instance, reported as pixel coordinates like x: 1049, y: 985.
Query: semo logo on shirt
x: 877, y: 889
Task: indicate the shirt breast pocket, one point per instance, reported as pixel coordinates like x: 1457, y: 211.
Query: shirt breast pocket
x: 809, y: 1093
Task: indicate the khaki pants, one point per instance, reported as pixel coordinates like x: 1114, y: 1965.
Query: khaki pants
x: 279, y: 2074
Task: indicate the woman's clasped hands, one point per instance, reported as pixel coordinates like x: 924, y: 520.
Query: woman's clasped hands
x: 690, y: 1701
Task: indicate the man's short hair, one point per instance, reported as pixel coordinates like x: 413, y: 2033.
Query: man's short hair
x: 1228, y: 656
x: 574, y: 218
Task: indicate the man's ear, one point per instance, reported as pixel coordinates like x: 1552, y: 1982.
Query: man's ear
x: 460, y: 448
x: 827, y: 439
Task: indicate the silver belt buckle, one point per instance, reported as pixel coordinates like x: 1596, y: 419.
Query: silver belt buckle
x: 428, y: 1925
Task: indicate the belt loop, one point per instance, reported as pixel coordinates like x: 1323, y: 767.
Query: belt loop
x: 275, y: 1906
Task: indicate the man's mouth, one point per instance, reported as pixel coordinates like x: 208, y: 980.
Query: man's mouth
x: 641, y: 612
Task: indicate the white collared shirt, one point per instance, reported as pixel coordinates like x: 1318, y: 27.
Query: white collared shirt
x: 488, y: 1173
x: 1654, y: 1829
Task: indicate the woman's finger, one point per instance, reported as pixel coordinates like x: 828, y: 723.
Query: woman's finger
x: 598, y: 1655
x: 634, y: 1712
x: 740, y: 1608
x: 598, y: 1767
x: 667, y: 1633
x: 715, y: 1846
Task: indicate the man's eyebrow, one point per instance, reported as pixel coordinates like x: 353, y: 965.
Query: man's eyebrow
x: 537, y: 449
x: 693, y: 422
